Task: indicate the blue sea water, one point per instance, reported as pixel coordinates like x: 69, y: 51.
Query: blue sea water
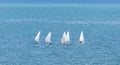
x: 20, y: 24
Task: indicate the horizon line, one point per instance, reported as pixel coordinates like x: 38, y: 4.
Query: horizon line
x: 56, y: 4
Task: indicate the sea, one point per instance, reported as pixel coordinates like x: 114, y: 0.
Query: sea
x: 20, y: 23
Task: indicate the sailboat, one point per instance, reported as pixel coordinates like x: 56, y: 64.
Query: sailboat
x: 48, y: 38
x: 68, y: 37
x: 37, y: 37
x: 63, y: 39
x: 81, y: 39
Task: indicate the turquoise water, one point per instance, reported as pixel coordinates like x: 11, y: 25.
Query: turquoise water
x: 20, y: 24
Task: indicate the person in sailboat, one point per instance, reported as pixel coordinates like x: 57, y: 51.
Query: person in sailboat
x: 50, y: 44
x: 80, y: 42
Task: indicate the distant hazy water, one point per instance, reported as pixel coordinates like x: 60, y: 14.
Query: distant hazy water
x: 19, y: 25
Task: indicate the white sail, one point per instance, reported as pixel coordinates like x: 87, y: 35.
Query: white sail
x: 68, y: 37
x: 37, y: 37
x: 63, y: 39
x: 81, y: 39
x: 48, y: 38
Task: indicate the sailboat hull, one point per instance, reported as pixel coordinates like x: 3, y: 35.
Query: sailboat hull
x: 81, y: 42
x: 66, y: 43
x: 35, y: 42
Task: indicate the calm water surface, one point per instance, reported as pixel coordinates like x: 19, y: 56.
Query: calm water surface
x: 19, y: 25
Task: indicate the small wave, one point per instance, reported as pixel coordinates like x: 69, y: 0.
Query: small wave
x: 95, y: 22
x: 60, y: 21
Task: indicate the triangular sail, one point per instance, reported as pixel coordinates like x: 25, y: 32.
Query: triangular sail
x: 63, y: 39
x: 48, y: 38
x: 68, y: 37
x: 81, y: 39
x: 37, y: 37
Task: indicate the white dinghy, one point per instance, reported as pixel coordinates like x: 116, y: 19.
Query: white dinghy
x: 65, y: 38
x: 81, y: 39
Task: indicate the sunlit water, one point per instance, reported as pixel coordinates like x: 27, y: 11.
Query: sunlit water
x: 19, y: 26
